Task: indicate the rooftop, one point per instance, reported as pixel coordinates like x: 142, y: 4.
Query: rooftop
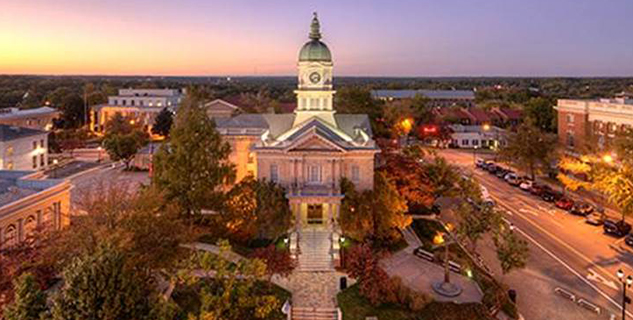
x: 15, y: 112
x: 431, y: 94
x: 16, y: 185
x: 9, y: 133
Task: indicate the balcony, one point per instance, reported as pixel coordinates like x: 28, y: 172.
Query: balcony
x: 312, y: 190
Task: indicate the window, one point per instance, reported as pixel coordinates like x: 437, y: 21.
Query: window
x: 570, y: 118
x: 9, y: 151
x: 29, y: 225
x: 465, y: 142
x: 140, y: 103
x: 475, y: 142
x: 570, y: 139
x: 116, y: 102
x: 274, y: 173
x: 314, y: 174
x: 42, y: 143
x: 251, y: 157
x: 355, y: 174
x: 9, y: 165
x: 34, y: 162
x: 41, y: 160
x: 35, y: 145
x: 10, y: 236
x: 133, y: 102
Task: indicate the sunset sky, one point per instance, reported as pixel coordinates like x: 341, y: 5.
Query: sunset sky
x: 367, y: 38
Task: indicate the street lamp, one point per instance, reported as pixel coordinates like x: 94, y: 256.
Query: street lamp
x: 55, y: 162
x: 475, y: 154
x: 98, y: 154
x: 445, y: 288
x: 607, y: 158
x: 626, y: 283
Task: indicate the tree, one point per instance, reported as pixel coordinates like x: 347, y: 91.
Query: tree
x: 101, y: 286
x: 163, y: 122
x: 277, y: 261
x: 120, y: 124
x: 540, y: 111
x: 617, y: 185
x: 476, y: 221
x: 257, y: 209
x: 374, y: 284
x: 376, y: 214
x: 409, y: 176
x: 530, y: 148
x: 356, y: 99
x: 29, y: 302
x: 233, y: 293
x: 442, y: 177
x: 512, y: 252
x: 123, y: 147
x: 193, y: 167
x: 72, y: 111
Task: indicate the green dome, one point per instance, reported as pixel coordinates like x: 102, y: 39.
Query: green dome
x: 315, y: 50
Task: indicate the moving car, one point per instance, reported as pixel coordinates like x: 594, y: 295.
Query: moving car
x: 581, y: 209
x: 616, y: 228
x: 595, y: 219
x: 564, y: 203
x: 551, y: 195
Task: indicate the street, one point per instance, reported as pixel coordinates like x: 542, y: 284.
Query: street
x: 565, y: 253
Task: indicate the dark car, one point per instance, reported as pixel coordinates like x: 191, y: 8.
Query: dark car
x: 551, y: 195
x: 492, y: 168
x: 538, y: 189
x: 616, y: 228
x: 629, y: 240
x: 581, y: 209
x: 564, y: 203
x: 420, y: 209
x: 501, y: 173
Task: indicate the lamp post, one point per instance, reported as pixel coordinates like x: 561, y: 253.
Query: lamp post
x: 446, y: 288
x: 475, y: 154
x: 98, y: 154
x: 55, y: 162
x: 626, y: 283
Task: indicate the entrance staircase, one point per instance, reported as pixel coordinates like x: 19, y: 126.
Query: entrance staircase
x: 299, y: 313
x: 315, y: 250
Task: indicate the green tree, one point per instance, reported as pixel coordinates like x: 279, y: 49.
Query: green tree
x: 376, y: 214
x: 257, y: 209
x: 72, y: 111
x: 235, y: 293
x: 358, y: 100
x: 29, y: 302
x: 540, y: 111
x: 101, y: 286
x: 512, y: 251
x: 163, y: 122
x: 120, y: 124
x: 194, y: 166
x: 530, y: 149
x: 123, y: 147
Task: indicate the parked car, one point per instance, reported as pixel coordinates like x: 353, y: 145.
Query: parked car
x: 481, y: 163
x: 492, y: 168
x: 616, y: 228
x: 595, y: 219
x: 581, y: 209
x: 629, y: 240
x: 551, y: 195
x: 501, y: 173
x: 526, y: 185
x: 564, y: 203
x: 538, y: 189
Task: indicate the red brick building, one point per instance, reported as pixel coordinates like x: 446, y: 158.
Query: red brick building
x: 593, y: 123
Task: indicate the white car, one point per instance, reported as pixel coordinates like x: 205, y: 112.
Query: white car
x: 526, y: 185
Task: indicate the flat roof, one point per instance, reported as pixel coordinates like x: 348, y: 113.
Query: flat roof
x: 16, y: 185
x: 9, y: 133
x: 431, y: 94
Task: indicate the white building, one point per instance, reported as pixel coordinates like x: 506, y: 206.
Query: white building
x: 23, y: 148
x: 141, y: 105
x: 485, y: 137
x: 36, y: 118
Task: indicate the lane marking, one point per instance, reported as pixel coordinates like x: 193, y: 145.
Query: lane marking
x: 594, y: 287
x: 598, y: 278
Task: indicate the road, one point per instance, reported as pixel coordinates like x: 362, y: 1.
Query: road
x: 565, y: 252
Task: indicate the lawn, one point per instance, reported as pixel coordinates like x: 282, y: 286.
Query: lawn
x: 356, y: 307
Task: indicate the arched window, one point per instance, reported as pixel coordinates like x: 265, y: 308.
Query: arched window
x: 10, y: 236
x: 29, y: 226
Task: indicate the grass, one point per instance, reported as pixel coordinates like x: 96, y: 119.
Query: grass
x: 356, y: 307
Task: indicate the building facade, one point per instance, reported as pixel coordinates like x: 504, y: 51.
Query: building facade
x: 140, y: 105
x: 308, y: 151
x: 23, y: 148
x: 28, y: 204
x: 593, y: 123
x: 477, y: 137
x: 37, y: 118
x: 437, y: 98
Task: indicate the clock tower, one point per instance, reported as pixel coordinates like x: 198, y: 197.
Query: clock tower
x: 314, y: 92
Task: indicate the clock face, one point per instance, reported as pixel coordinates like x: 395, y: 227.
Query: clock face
x: 315, y: 77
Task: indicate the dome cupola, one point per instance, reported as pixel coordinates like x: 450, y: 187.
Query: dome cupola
x: 315, y: 49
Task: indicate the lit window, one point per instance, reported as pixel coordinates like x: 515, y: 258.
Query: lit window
x: 9, y: 165
x: 355, y: 173
x: 9, y: 151
x: 274, y: 173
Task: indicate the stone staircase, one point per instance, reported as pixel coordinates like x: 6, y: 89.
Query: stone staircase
x: 315, y: 247
x: 299, y: 313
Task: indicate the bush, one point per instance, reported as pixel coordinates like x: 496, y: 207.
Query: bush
x: 277, y: 261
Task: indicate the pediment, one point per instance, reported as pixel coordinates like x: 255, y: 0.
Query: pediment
x: 313, y: 141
